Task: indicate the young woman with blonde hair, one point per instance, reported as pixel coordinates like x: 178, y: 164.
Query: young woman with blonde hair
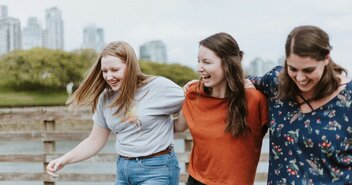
x: 135, y: 107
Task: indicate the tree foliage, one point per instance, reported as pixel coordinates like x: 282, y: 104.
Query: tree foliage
x: 178, y: 73
x: 45, y: 69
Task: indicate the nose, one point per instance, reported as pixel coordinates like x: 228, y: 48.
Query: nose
x: 109, y: 76
x: 200, y: 67
x: 300, y: 76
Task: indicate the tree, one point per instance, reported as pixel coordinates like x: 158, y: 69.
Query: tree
x: 46, y: 69
x: 42, y: 69
x: 178, y: 73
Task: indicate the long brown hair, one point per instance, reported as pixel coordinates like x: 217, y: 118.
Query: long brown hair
x: 94, y: 84
x: 313, y: 42
x: 227, y: 49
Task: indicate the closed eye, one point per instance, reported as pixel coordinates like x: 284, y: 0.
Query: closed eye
x: 292, y: 69
x: 115, y: 69
x: 308, y: 70
x: 206, y: 61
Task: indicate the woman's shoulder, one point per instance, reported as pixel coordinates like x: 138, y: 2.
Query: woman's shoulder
x: 107, y: 95
x: 274, y: 72
x: 159, y: 84
x: 196, y: 88
x: 349, y: 86
x: 161, y: 81
x: 254, y: 94
x: 270, y: 78
x: 345, y: 80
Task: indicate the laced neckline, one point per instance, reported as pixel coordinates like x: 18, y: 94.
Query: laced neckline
x: 306, y: 101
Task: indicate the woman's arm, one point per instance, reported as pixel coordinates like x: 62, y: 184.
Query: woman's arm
x: 180, y: 123
x: 268, y: 83
x: 84, y: 150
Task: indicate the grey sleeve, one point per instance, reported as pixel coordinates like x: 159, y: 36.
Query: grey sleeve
x: 170, y: 95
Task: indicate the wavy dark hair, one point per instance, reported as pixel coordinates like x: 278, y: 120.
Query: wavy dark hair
x: 227, y: 49
x: 313, y: 42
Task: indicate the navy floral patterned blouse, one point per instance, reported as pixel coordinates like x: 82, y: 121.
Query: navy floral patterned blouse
x: 308, y: 148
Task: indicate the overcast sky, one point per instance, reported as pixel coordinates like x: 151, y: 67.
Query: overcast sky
x: 260, y: 27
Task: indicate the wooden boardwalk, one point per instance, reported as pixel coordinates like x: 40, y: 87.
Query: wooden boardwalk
x: 50, y: 125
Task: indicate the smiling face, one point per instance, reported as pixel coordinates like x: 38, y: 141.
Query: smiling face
x: 210, y: 69
x: 113, y: 70
x: 306, y: 72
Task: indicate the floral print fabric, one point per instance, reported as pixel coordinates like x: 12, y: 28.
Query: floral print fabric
x: 308, y: 148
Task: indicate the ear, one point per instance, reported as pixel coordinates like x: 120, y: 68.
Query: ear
x: 327, y: 59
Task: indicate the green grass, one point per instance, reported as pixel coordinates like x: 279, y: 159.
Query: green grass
x: 11, y: 98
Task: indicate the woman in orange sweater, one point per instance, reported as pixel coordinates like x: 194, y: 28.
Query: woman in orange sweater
x: 227, y: 121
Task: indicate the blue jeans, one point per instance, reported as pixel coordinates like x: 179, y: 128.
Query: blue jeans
x: 159, y: 170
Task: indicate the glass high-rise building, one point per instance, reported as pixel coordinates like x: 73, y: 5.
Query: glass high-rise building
x: 259, y: 67
x: 93, y: 38
x: 54, y: 29
x: 153, y: 51
x: 3, y: 11
x: 10, y: 32
x: 32, y: 34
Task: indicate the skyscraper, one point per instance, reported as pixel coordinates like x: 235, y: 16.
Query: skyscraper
x: 54, y: 32
x: 153, y: 51
x: 93, y: 38
x: 10, y: 32
x: 3, y: 11
x: 32, y: 35
x: 259, y: 67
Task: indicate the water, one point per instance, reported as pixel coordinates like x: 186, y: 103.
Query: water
x: 82, y: 167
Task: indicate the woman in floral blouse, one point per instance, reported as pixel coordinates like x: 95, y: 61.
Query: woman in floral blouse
x: 310, y: 113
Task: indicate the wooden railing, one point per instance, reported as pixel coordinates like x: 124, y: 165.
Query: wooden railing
x: 49, y: 135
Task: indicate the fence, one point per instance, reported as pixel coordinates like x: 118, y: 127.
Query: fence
x: 49, y: 135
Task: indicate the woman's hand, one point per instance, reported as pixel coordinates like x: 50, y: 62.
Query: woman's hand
x: 185, y: 87
x: 248, y: 84
x: 54, y: 166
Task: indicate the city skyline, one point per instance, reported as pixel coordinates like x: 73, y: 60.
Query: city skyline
x: 259, y: 27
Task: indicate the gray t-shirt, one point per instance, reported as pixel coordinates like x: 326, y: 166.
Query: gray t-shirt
x: 148, y: 127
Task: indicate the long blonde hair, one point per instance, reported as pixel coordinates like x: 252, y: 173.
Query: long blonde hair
x: 93, y: 83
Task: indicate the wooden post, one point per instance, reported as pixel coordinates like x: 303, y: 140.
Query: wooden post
x: 188, y: 145
x: 49, y: 147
